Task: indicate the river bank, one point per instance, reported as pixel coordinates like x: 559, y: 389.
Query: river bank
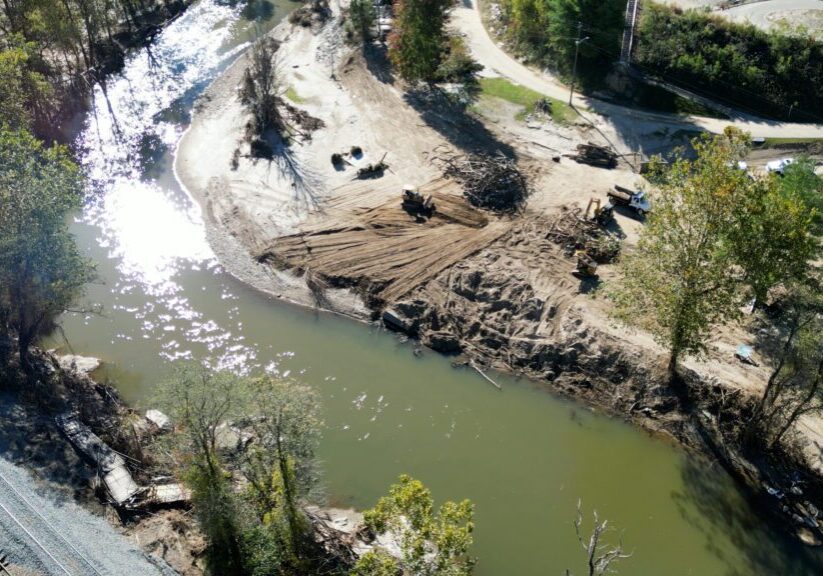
x: 509, y: 302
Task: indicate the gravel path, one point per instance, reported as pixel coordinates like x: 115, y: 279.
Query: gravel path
x: 45, y: 535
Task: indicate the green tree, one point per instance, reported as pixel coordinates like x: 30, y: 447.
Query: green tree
x: 201, y: 402
x: 280, y: 465
x: 42, y: 273
x: 418, y: 40
x: 361, y: 20
x: 713, y: 234
x: 800, y: 179
x: 602, y: 21
x: 772, y: 240
x: 431, y: 544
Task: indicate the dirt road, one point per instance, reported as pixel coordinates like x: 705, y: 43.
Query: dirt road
x: 466, y: 18
x: 770, y: 13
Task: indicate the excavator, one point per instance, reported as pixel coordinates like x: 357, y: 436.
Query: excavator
x: 602, y: 214
x: 416, y: 204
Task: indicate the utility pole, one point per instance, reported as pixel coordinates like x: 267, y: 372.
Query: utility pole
x: 577, y: 44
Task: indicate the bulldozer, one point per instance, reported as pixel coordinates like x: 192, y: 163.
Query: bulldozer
x: 602, y: 214
x: 416, y: 204
x: 586, y: 266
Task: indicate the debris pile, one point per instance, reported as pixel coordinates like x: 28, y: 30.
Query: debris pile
x: 311, y: 14
x: 573, y: 232
x: 595, y: 155
x: 489, y: 181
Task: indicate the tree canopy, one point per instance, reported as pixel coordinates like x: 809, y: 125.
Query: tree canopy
x: 431, y: 544
x: 715, y: 237
x: 42, y: 273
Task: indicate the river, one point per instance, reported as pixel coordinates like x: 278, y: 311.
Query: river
x: 522, y: 455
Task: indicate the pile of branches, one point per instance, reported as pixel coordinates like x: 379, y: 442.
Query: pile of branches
x: 573, y: 232
x: 490, y: 181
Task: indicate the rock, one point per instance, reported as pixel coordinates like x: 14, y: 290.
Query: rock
x: 442, y: 342
x: 394, y: 321
x: 159, y: 419
x: 80, y: 364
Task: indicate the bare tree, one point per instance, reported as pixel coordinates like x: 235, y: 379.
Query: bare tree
x: 795, y: 385
x: 599, y: 556
x: 261, y: 86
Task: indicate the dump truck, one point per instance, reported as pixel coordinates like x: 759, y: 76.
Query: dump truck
x: 638, y: 201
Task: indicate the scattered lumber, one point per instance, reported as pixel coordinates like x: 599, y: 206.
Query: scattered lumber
x: 490, y: 181
x: 366, y: 240
x: 595, y: 155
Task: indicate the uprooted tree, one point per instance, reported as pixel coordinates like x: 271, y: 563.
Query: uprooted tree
x: 714, y: 239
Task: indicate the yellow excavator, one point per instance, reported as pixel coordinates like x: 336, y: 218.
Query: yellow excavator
x: 602, y: 214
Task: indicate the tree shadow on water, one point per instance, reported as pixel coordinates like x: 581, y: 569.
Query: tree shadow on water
x: 711, y: 503
x: 449, y: 115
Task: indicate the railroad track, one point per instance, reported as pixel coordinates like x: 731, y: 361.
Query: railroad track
x: 44, y: 542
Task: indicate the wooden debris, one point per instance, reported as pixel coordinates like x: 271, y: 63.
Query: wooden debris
x: 595, y: 155
x: 365, y: 239
x: 489, y: 181
x: 572, y: 231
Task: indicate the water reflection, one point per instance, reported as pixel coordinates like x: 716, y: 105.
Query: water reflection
x: 715, y: 509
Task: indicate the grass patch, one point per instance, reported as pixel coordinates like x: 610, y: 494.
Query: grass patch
x: 292, y: 95
x: 561, y: 112
x: 772, y: 142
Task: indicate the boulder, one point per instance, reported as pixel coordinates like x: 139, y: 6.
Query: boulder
x: 444, y: 342
x: 159, y: 419
x: 80, y: 364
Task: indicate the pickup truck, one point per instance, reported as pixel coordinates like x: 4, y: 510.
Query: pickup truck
x: 778, y: 166
x: 638, y: 201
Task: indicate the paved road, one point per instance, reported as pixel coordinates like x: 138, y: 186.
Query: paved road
x: 466, y: 18
x: 758, y: 12
x: 61, y: 539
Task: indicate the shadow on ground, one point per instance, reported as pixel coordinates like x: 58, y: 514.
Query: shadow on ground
x: 449, y: 116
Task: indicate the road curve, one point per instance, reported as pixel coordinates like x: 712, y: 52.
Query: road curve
x: 466, y: 20
x: 758, y: 13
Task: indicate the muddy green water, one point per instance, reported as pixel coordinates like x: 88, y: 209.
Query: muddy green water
x: 523, y: 456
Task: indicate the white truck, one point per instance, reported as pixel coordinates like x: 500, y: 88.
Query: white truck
x: 638, y: 201
x: 778, y: 166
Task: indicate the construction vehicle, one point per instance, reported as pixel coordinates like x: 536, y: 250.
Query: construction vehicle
x: 586, y: 266
x: 416, y: 204
x: 602, y: 214
x: 637, y: 201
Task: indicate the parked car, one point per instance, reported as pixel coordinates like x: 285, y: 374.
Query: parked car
x: 778, y: 166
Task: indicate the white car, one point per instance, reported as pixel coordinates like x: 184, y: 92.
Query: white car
x: 777, y: 166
